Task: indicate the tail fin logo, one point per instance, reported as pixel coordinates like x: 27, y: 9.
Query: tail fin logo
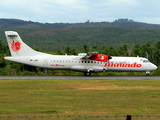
x: 15, y: 46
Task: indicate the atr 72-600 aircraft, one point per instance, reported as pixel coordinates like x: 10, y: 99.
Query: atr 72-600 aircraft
x: 87, y: 63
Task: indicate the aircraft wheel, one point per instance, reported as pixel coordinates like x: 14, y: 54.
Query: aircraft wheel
x: 147, y: 73
x: 87, y: 73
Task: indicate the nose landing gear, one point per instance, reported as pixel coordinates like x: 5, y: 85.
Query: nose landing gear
x: 147, y: 73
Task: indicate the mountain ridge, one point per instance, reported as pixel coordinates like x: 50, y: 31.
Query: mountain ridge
x: 126, y: 23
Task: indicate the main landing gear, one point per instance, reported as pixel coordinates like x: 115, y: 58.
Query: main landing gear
x: 87, y: 73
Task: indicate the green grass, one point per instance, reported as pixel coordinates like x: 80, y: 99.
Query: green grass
x: 79, y: 97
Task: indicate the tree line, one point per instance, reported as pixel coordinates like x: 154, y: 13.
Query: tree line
x: 152, y: 52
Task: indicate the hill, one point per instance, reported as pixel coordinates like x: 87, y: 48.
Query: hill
x: 126, y: 23
x: 16, y: 23
x: 53, y: 37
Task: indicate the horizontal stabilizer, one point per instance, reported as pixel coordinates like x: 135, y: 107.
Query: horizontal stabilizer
x: 11, y: 33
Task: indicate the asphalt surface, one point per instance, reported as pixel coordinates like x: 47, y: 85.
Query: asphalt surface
x: 84, y: 77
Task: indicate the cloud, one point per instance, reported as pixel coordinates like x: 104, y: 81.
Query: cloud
x: 80, y: 10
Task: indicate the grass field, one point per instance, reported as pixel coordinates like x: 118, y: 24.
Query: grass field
x: 79, y: 98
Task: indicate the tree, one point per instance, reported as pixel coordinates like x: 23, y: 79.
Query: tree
x: 156, y: 53
x: 85, y: 48
x: 136, y: 50
x: 146, y: 50
x: 94, y: 48
x: 67, y: 50
x: 123, y: 50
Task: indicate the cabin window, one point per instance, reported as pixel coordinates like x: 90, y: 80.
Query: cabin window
x: 146, y: 61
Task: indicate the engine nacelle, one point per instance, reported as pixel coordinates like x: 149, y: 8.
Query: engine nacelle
x: 99, y: 69
x: 101, y: 57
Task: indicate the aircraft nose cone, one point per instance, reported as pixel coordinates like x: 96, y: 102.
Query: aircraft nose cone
x: 155, y: 67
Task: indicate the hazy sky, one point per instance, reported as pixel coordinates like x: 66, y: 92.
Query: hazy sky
x: 75, y: 11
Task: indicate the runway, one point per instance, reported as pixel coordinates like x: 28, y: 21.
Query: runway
x: 84, y: 77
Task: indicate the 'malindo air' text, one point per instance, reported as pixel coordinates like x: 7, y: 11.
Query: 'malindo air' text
x: 122, y: 64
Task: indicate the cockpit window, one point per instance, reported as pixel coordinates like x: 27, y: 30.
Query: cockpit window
x: 146, y: 61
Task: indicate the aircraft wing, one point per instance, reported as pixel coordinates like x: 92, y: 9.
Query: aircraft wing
x: 95, y: 56
x: 89, y: 55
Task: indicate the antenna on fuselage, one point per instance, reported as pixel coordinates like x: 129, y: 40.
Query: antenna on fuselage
x: 147, y: 54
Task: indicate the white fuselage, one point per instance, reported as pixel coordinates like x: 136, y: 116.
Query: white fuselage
x: 75, y: 63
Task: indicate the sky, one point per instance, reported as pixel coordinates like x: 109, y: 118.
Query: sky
x: 79, y: 11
